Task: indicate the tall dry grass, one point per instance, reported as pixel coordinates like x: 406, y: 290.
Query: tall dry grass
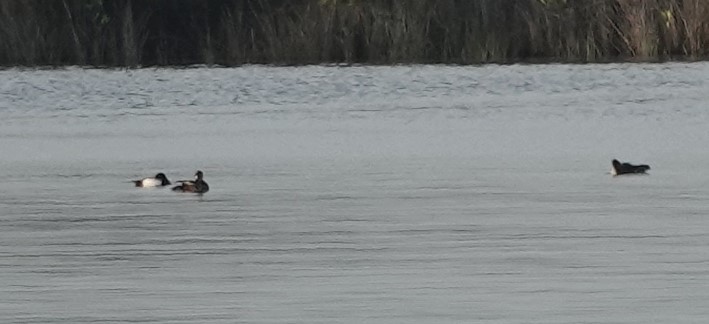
x: 235, y: 32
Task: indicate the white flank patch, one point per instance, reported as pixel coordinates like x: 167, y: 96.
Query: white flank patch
x: 151, y: 182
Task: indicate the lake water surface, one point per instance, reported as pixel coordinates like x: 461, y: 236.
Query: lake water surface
x: 410, y: 194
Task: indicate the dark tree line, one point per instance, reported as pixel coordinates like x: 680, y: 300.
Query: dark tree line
x: 234, y: 32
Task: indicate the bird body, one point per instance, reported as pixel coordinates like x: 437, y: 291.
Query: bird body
x: 198, y: 185
x: 160, y: 180
x: 627, y: 168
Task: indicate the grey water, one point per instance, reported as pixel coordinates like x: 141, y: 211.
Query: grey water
x: 407, y: 194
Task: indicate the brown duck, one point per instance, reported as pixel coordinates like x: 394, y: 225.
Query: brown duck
x: 197, y: 185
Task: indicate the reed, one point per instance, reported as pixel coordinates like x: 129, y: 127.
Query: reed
x: 234, y: 32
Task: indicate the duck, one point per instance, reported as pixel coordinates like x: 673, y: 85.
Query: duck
x: 627, y: 168
x: 160, y: 180
x: 198, y: 185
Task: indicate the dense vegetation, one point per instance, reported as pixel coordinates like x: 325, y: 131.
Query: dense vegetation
x: 234, y: 32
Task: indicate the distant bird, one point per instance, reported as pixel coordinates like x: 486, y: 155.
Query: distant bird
x: 160, y: 180
x: 196, y: 186
x: 627, y: 168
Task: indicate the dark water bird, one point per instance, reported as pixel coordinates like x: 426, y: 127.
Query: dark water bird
x: 627, y: 168
x: 198, y: 185
x: 160, y: 180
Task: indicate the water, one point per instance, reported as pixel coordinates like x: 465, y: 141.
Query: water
x: 411, y: 194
